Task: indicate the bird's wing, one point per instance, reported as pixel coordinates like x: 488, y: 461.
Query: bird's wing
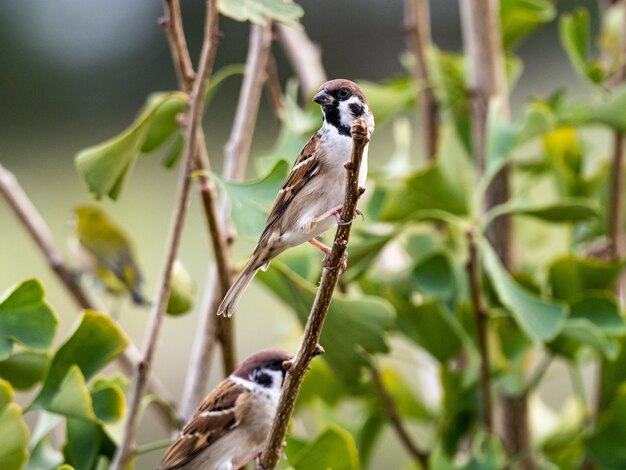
x: 218, y: 414
x: 306, y: 166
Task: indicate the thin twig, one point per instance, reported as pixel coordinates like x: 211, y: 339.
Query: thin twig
x: 172, y: 23
x: 417, y: 27
x: 540, y: 371
x: 273, y: 85
x: 315, y: 323
x: 482, y: 318
x: 391, y: 411
x: 39, y: 231
x: 305, y: 57
x: 236, y: 154
x: 193, y: 119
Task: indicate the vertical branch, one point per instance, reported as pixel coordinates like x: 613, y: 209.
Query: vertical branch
x: 482, y: 317
x: 482, y: 38
x: 39, y: 231
x: 417, y: 28
x: 313, y: 329
x: 235, y: 160
x: 389, y: 407
x: 193, y: 119
x: 173, y: 26
x: 305, y: 57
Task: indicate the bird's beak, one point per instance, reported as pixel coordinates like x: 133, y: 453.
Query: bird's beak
x: 323, y: 98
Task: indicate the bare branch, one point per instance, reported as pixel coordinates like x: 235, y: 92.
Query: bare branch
x: 396, y: 421
x: 39, y: 231
x: 305, y: 57
x: 193, y: 119
x: 235, y: 160
x: 218, y: 232
x: 417, y: 26
x: 274, y: 88
x: 315, y: 323
x: 482, y: 317
x: 483, y: 41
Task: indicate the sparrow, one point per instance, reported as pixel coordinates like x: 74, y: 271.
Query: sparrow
x: 231, y: 425
x: 310, y: 200
x: 102, y: 249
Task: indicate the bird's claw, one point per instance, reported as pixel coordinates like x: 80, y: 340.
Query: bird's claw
x: 343, y: 264
x: 341, y: 221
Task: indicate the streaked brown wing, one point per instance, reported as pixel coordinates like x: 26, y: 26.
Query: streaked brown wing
x: 218, y: 414
x: 304, y: 168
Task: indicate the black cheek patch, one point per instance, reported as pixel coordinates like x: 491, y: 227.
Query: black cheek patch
x: 357, y: 109
x: 264, y: 380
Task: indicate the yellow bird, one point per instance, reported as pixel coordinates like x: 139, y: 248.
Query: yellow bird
x: 102, y: 249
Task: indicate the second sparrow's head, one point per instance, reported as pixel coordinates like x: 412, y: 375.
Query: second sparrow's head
x: 343, y: 102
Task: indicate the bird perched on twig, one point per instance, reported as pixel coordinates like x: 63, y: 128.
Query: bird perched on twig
x: 231, y: 425
x: 310, y: 200
x: 102, y: 249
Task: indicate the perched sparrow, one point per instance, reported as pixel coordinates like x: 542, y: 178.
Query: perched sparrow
x: 102, y: 249
x: 310, y: 200
x: 233, y: 422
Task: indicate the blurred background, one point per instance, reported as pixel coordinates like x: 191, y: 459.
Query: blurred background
x: 74, y: 73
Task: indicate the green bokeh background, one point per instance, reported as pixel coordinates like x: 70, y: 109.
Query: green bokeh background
x: 73, y: 73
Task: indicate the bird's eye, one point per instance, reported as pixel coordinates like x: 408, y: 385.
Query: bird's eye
x: 343, y: 93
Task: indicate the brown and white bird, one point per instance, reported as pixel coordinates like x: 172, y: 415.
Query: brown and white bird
x: 311, y: 197
x: 231, y: 425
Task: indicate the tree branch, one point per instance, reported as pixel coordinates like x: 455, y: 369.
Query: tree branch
x: 236, y: 154
x: 482, y: 317
x: 173, y: 26
x: 417, y: 27
x: 390, y: 410
x: 39, y: 231
x: 193, y: 119
x: 305, y: 57
x: 315, y: 323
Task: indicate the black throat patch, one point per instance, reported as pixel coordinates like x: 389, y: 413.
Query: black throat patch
x: 331, y: 115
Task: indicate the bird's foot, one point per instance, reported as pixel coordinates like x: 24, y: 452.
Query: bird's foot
x: 336, y: 212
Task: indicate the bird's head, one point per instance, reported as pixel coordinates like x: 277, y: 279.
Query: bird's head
x: 343, y: 102
x: 266, y: 368
x: 88, y: 217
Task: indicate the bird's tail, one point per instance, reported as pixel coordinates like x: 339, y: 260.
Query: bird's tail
x: 227, y: 307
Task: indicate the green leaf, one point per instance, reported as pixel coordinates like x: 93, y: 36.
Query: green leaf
x: 434, y: 276
x: 574, y: 32
x: 579, y: 332
x: 365, y: 246
x: 429, y: 322
x: 606, y: 445
x: 162, y: 124
x: 403, y: 396
x: 602, y: 310
x: 613, y: 375
x: 541, y: 319
x: 26, y: 318
x: 320, y: 383
x: 14, y: 432
x: 183, y: 291
x: 365, y: 317
x: 83, y: 444
x: 433, y: 188
x: 388, y: 99
x: 24, y: 369
x: 72, y: 398
x: 105, y: 166
x: 563, y: 211
x: 487, y: 454
x: 96, y: 341
x: 108, y: 400
x: 610, y: 112
x: 259, y: 11
x: 334, y: 448
x: 569, y: 277
x: 518, y: 18
x: 251, y: 201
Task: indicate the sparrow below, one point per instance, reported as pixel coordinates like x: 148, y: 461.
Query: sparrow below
x: 231, y: 425
x: 311, y: 197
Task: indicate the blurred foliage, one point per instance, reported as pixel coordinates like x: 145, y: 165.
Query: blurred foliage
x: 406, y: 282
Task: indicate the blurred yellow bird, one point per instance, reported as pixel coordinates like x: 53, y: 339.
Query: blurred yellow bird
x: 102, y: 249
